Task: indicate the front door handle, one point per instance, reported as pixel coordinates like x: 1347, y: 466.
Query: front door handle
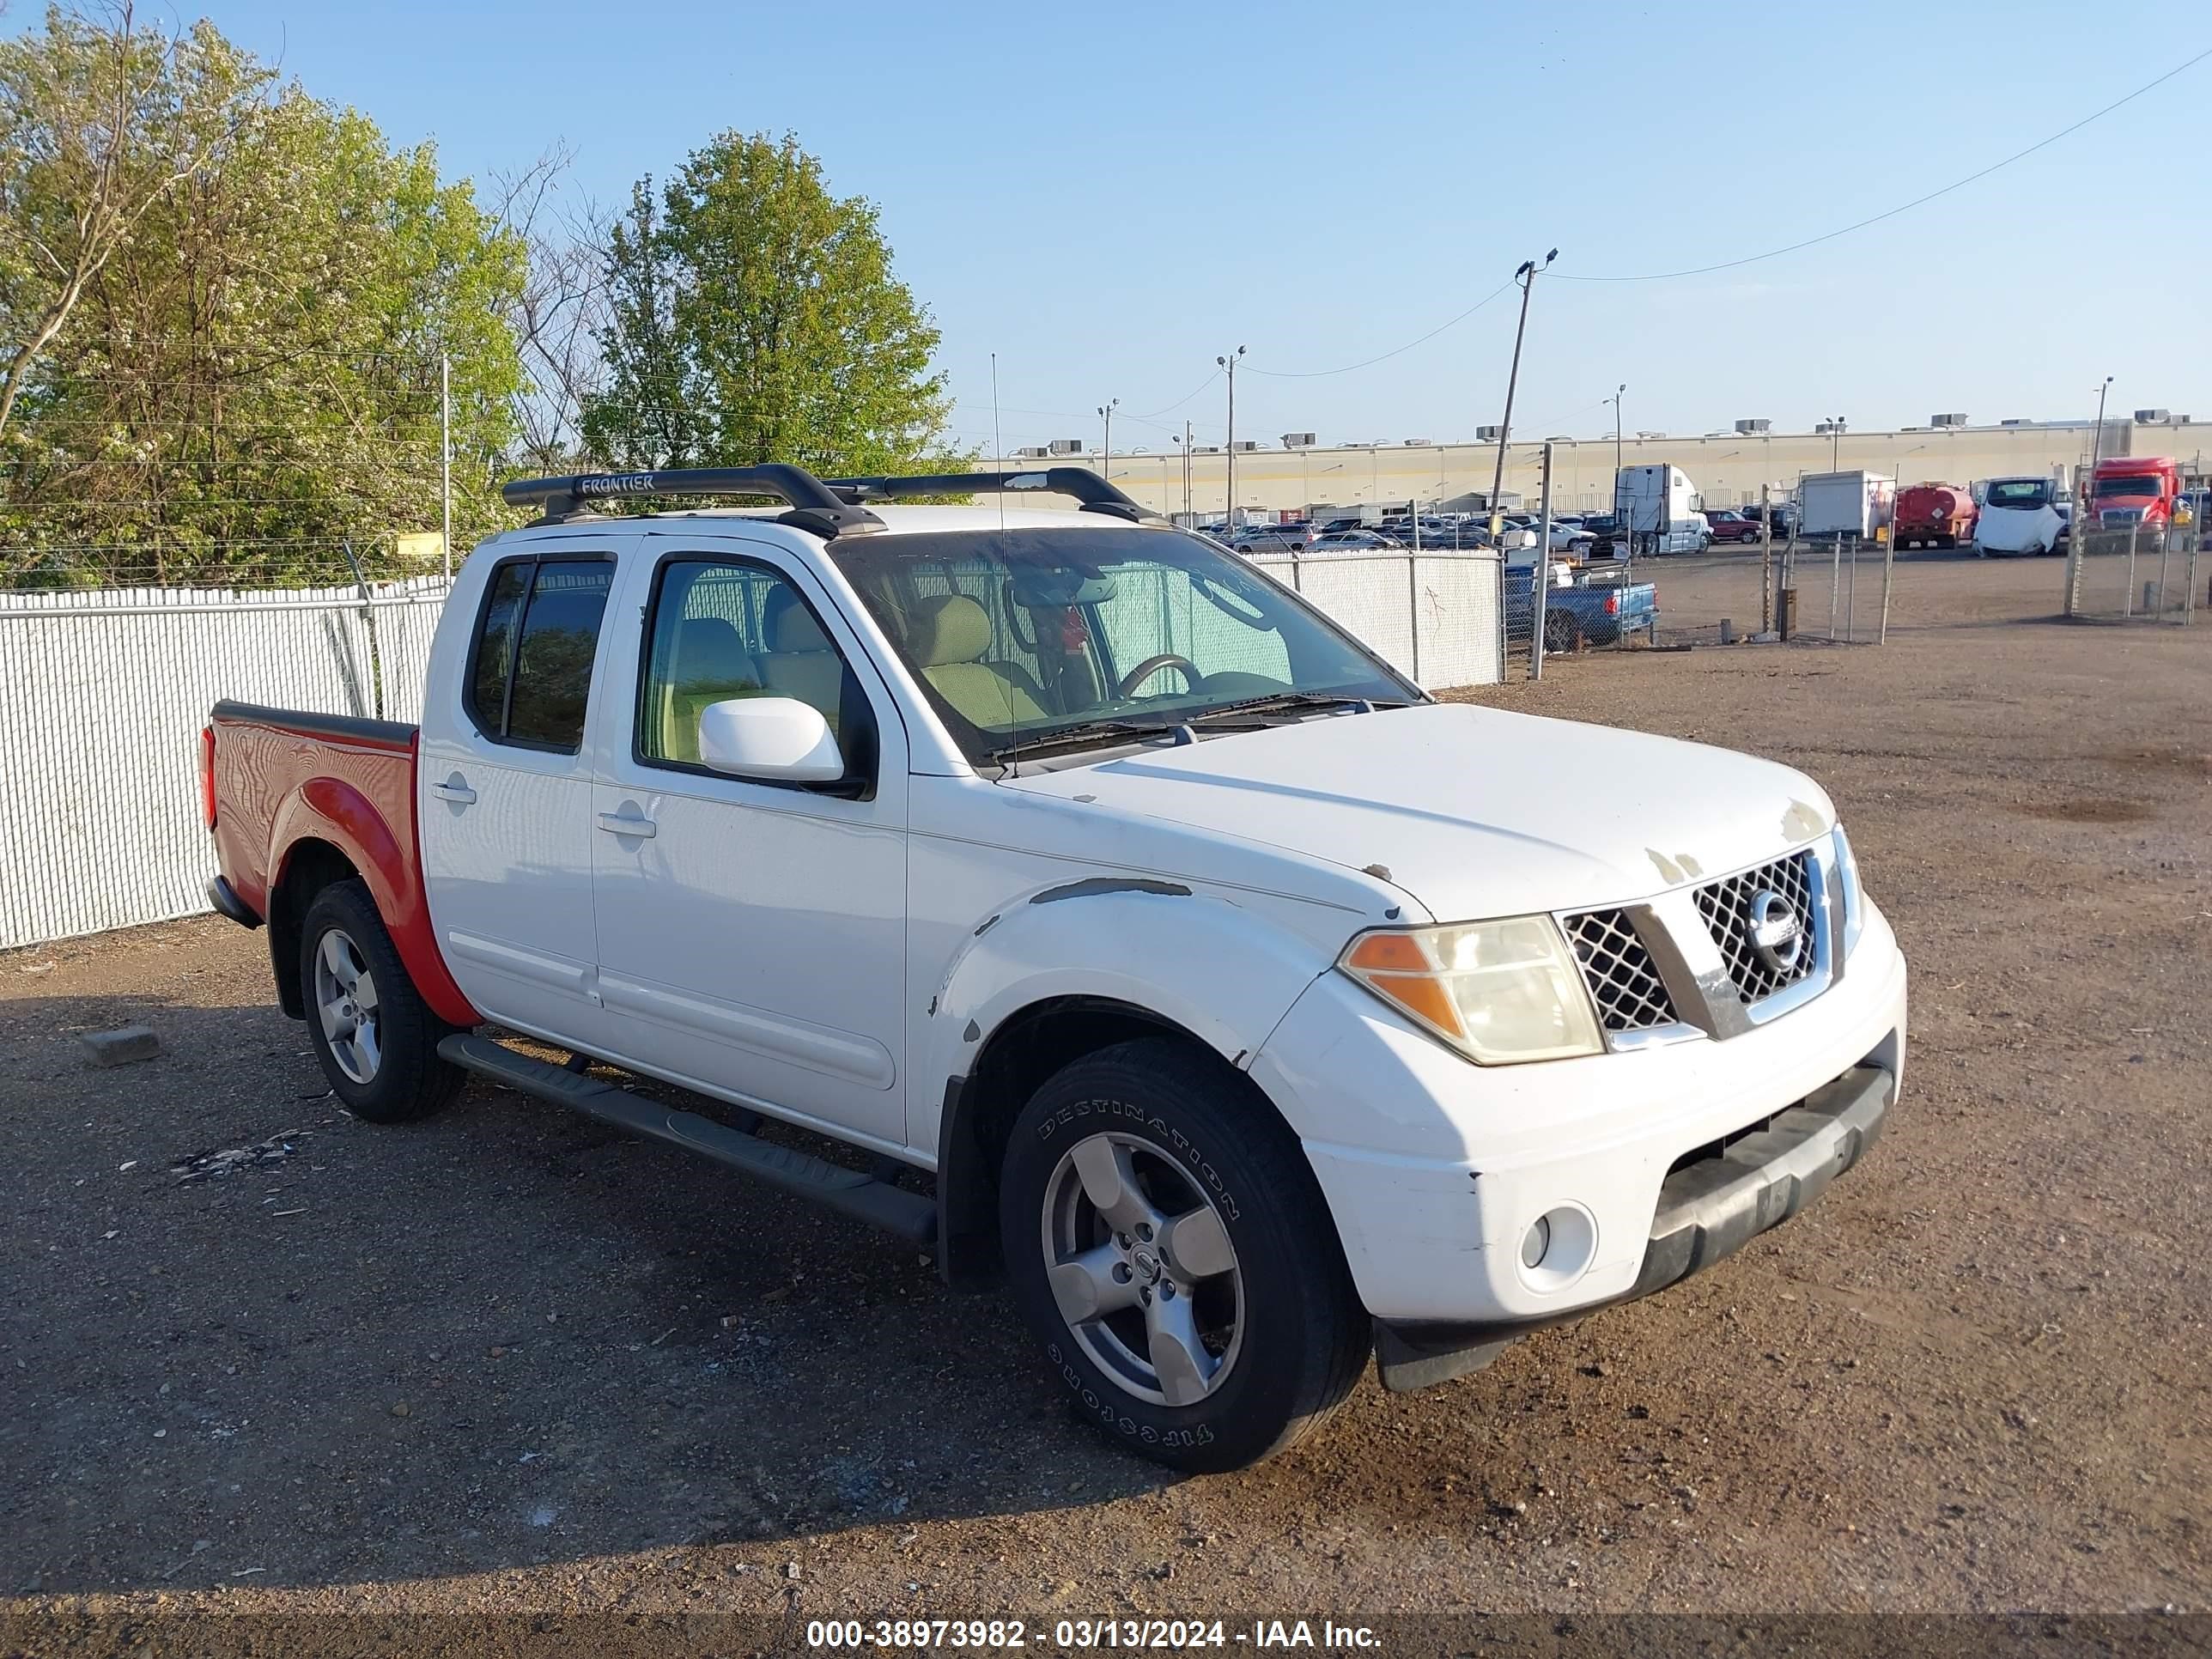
x: 455, y: 791
x: 616, y: 824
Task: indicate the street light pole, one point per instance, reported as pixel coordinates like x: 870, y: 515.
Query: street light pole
x: 1615, y: 401
x: 1106, y: 459
x: 2097, y: 444
x: 1835, y: 443
x: 1229, y: 363
x: 1527, y: 275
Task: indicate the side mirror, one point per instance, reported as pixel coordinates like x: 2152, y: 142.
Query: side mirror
x: 779, y: 738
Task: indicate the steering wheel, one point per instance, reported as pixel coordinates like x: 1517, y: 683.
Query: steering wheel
x: 1152, y: 666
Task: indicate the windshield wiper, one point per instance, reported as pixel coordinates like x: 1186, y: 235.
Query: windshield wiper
x: 1290, y: 700
x: 1087, y: 731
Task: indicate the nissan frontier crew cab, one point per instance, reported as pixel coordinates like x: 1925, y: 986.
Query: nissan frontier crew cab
x: 1142, y: 937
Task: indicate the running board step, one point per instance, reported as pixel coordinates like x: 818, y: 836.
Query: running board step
x: 849, y: 1192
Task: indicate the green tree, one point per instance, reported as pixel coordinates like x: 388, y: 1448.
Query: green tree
x: 252, y: 376
x: 754, y: 316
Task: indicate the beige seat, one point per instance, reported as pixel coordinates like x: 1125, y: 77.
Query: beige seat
x: 709, y: 665
x: 948, y: 636
x: 801, y: 662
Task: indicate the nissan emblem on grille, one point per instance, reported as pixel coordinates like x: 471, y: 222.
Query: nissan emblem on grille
x: 1773, y: 928
x: 1762, y: 920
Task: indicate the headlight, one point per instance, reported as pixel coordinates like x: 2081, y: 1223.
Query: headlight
x: 1854, y: 897
x: 1497, y: 991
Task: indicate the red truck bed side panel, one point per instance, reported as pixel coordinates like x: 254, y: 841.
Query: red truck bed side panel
x: 282, y: 777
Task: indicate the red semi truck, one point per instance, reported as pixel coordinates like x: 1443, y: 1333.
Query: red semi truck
x: 2128, y: 490
x: 1935, y: 515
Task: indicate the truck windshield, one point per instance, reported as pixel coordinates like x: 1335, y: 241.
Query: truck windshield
x: 2141, y: 486
x: 2019, y: 492
x: 1023, y: 636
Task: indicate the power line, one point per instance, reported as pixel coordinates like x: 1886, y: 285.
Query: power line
x: 1906, y: 207
x: 1318, y: 373
x: 1180, y: 402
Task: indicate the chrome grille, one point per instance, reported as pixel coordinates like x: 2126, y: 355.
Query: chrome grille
x: 1620, y: 972
x: 1727, y: 908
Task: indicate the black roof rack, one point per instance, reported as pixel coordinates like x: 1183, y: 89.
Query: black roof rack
x: 814, y: 506
x: 1095, y: 493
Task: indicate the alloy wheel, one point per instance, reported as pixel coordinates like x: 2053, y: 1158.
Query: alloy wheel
x: 345, y: 1003
x: 1142, y: 1269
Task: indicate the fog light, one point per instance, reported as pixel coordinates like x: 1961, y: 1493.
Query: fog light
x: 1559, y: 1248
x: 1536, y: 1241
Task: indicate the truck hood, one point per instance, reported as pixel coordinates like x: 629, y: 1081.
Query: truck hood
x: 2013, y: 528
x: 1474, y: 811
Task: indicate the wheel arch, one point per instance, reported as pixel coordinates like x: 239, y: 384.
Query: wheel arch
x: 1022, y: 1053
x: 327, y: 831
x: 311, y: 865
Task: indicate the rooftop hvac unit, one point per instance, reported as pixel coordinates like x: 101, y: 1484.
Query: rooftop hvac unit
x: 1031, y: 452
x: 2153, y: 417
x: 1748, y: 429
x: 1650, y: 435
x: 1824, y: 427
x: 1418, y: 443
x: 1243, y: 446
x: 1209, y: 449
x: 1487, y: 434
x: 2014, y: 420
x: 1298, y: 441
x: 1947, y: 420
x: 1064, y: 447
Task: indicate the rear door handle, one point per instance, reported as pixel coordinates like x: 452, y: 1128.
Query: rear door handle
x: 615, y: 824
x: 459, y: 793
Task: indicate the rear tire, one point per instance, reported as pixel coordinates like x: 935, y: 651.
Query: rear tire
x: 1166, y: 1242
x: 1563, y: 635
x: 376, y: 1038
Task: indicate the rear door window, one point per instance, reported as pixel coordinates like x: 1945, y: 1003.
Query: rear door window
x: 530, y: 678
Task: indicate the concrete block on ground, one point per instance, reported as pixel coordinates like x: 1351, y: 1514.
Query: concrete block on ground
x: 122, y: 1046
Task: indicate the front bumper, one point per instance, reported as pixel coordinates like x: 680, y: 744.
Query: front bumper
x: 1435, y: 1170
x: 1708, y: 1209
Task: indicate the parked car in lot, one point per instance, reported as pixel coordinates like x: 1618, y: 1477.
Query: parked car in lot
x: 1726, y: 525
x: 1127, y: 928
x: 1347, y: 541
x: 1274, y: 538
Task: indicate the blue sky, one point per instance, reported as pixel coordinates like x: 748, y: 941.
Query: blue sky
x: 1108, y: 196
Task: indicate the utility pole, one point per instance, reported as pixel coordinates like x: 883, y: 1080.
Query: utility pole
x: 1106, y: 456
x: 445, y: 459
x: 1527, y: 276
x: 1229, y: 363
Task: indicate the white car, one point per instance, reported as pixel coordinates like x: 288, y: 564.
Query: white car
x: 2018, y: 515
x: 1141, y: 935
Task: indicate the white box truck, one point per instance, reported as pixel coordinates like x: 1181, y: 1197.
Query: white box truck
x: 1660, y: 509
x: 1856, y: 503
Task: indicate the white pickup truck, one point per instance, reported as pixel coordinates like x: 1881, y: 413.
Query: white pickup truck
x: 1152, y: 942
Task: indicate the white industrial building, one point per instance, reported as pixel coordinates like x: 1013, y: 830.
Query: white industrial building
x: 1728, y: 468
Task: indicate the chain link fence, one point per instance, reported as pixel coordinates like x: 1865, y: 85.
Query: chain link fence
x: 99, y: 715
x: 2155, y: 572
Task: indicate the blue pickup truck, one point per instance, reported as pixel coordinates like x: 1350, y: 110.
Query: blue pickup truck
x: 1605, y: 614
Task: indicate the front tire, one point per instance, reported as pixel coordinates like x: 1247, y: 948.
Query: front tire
x: 376, y: 1038
x: 1167, y: 1243
x: 1563, y: 634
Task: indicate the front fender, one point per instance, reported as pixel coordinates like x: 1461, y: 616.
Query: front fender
x: 334, y: 811
x: 1217, y: 968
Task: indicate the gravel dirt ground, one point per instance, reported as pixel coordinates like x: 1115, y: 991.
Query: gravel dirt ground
x: 506, y: 1361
